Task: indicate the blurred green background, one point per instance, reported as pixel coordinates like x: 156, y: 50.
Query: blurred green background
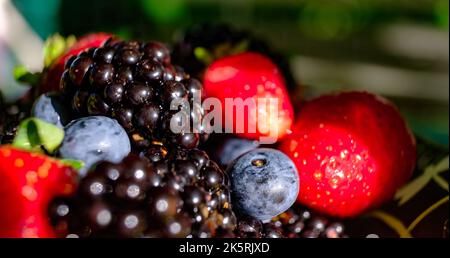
x: 395, y: 48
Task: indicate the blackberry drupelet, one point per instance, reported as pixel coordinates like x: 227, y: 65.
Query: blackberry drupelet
x: 134, y: 83
x: 157, y: 194
x: 221, y: 40
x: 297, y: 222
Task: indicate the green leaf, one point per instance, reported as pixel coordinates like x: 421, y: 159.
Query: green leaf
x: 76, y: 164
x: 21, y: 74
x: 441, y: 182
x: 430, y: 172
x: 411, y: 189
x: 203, y: 55
x: 55, y: 46
x: 36, y: 135
x: 443, y: 165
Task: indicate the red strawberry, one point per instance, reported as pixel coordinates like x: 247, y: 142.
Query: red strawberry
x: 28, y: 183
x: 352, y: 150
x: 251, y: 75
x: 53, y: 74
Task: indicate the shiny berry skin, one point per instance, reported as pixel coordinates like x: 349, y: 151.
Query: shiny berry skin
x: 250, y: 76
x: 249, y: 227
x: 264, y: 183
x: 127, y: 56
x: 163, y: 202
x: 129, y: 190
x: 177, y: 226
x: 79, y: 101
x: 139, y: 93
x: 353, y: 150
x: 101, y: 74
x: 104, y: 55
x: 228, y: 219
x: 112, y: 172
x: 158, y: 52
x: 155, y: 153
x: 124, y: 75
x: 79, y: 68
x: 96, y: 105
x: 158, y: 193
x: 124, y: 116
x: 296, y: 222
x: 94, y: 186
x: 271, y: 231
x: 213, y: 177
x: 60, y: 208
x: 193, y: 86
x: 60, y: 212
x: 150, y: 70
x: 131, y: 224
x: 174, y: 90
x: 114, y: 92
x: 174, y: 182
x: 193, y: 196
x: 66, y: 86
x: 199, y: 157
x: 187, y: 140
x: 52, y: 74
x: 134, y: 83
x: 99, y: 215
x: 132, y: 44
x: 148, y: 116
x: 187, y: 169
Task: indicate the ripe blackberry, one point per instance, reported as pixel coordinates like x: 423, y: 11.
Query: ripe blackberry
x: 134, y: 83
x: 157, y: 194
x: 221, y: 40
x: 297, y: 222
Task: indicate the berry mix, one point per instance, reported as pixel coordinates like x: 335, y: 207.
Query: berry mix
x: 134, y: 83
x: 89, y: 151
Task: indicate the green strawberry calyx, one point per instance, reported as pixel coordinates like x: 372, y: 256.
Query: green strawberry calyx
x: 36, y: 135
x: 54, y: 47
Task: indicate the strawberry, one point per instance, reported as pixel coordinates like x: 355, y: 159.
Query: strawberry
x: 251, y: 75
x: 51, y: 78
x: 352, y: 150
x: 29, y: 182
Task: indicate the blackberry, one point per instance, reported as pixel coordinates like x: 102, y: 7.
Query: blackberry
x: 221, y: 40
x: 297, y: 222
x: 157, y: 194
x: 134, y: 83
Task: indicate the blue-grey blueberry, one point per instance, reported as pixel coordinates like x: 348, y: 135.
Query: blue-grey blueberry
x: 264, y: 183
x: 233, y: 148
x: 51, y: 108
x: 94, y: 138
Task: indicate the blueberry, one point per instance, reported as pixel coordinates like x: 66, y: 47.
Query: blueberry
x: 95, y: 138
x: 233, y: 148
x: 51, y: 108
x: 264, y: 183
